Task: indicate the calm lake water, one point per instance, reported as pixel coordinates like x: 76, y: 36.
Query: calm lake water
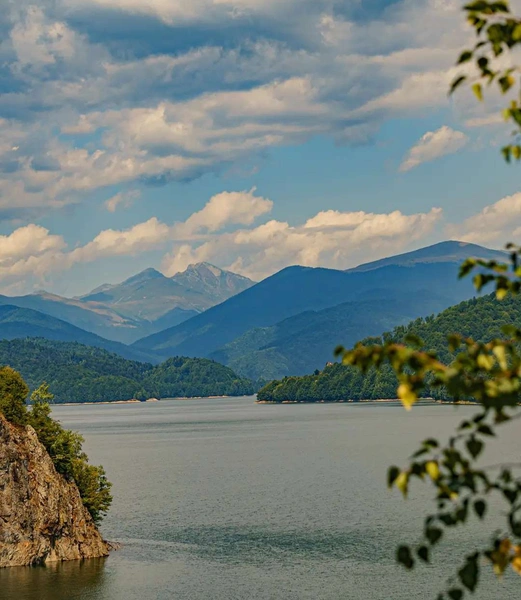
x: 224, y: 499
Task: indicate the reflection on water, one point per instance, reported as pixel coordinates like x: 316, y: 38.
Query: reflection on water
x: 77, y: 580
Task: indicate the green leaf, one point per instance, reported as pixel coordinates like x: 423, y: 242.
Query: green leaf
x: 455, y: 594
x: 474, y: 446
x: 480, y: 506
x: 505, y: 83
x: 469, y: 573
x: 404, y: 557
x: 476, y: 6
x: 464, y: 57
x: 486, y: 430
x: 506, y: 152
x: 423, y: 553
x: 392, y: 475
x: 456, y: 83
x: 433, y: 534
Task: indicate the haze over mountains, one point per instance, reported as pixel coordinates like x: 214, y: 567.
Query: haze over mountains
x: 16, y: 323
x: 255, y: 332
x: 143, y: 304
x: 288, y: 324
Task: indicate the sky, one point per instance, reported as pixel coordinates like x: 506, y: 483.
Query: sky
x: 251, y: 134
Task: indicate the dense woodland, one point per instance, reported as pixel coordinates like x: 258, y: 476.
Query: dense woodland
x: 78, y: 373
x: 479, y: 318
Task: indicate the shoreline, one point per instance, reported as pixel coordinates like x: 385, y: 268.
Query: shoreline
x: 377, y: 401
x: 135, y: 401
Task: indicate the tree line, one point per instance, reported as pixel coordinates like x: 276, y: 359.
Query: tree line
x: 479, y: 318
x: 79, y: 373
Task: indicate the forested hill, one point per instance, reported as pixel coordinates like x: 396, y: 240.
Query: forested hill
x: 481, y: 318
x: 78, y: 373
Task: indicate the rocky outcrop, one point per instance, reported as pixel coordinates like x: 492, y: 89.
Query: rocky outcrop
x: 42, y: 517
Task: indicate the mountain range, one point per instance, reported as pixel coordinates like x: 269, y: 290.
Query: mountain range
x: 481, y: 319
x: 143, y: 304
x: 288, y: 324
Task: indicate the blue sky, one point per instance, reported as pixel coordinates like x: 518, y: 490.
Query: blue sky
x: 253, y: 134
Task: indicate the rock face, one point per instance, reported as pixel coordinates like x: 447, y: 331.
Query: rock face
x: 42, y: 517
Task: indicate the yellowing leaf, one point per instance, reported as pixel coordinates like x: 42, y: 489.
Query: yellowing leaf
x: 516, y: 564
x: 478, y: 92
x: 406, y: 395
x: 504, y: 546
x: 501, y: 293
x: 485, y: 361
x: 402, y: 482
x: 501, y: 355
x: 432, y: 469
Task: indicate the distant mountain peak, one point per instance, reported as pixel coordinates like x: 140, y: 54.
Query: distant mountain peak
x: 204, y: 266
x: 450, y: 251
x: 202, y: 269
x: 145, y: 275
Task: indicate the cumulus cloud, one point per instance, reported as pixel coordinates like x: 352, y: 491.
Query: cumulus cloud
x: 433, y: 145
x: 32, y: 252
x: 225, y: 232
x: 226, y: 208
x: 495, y: 224
x: 28, y: 251
x: 331, y: 238
x: 140, y: 238
x: 88, y: 110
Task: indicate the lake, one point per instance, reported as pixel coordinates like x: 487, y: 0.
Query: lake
x: 223, y: 499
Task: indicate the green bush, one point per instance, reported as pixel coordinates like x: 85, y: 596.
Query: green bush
x: 65, y: 449
x: 64, y: 446
x: 13, y: 394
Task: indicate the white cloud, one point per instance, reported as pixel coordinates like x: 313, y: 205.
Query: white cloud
x: 197, y: 108
x: 37, y: 41
x: 32, y: 252
x: 28, y: 251
x: 497, y: 223
x: 30, y: 240
x: 226, y: 208
x: 176, y: 11
x: 121, y: 200
x: 224, y: 232
x: 140, y: 238
x: 331, y: 238
x: 433, y: 145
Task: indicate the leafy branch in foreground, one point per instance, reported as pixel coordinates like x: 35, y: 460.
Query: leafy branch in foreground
x: 489, y: 374
x: 497, y: 32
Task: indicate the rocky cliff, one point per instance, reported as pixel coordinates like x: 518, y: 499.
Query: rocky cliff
x: 42, y: 518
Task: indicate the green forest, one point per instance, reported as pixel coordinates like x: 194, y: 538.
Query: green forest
x: 78, y: 373
x: 479, y: 318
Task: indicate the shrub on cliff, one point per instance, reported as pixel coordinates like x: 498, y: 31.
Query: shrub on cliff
x: 64, y: 446
x: 65, y: 449
x: 13, y: 393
